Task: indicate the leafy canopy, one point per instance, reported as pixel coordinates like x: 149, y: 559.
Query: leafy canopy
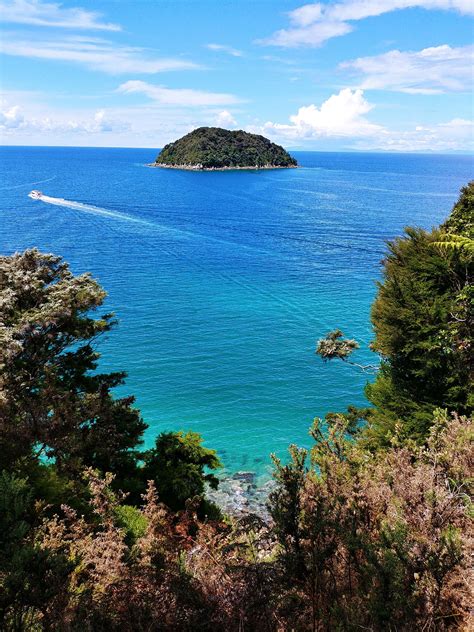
x: 53, y: 402
x: 178, y: 464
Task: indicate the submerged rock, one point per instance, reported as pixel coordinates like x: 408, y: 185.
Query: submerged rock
x: 239, y: 495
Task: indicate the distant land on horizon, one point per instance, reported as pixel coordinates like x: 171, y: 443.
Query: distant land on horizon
x: 216, y: 148
x: 382, y: 152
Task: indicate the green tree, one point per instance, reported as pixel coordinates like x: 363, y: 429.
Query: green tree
x: 179, y: 464
x: 423, y: 322
x: 54, y: 404
x: 461, y: 219
x: 422, y: 318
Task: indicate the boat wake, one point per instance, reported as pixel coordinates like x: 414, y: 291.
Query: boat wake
x: 296, y: 312
x: 96, y: 210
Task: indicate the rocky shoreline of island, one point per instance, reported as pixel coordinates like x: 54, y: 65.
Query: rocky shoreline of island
x: 233, y: 168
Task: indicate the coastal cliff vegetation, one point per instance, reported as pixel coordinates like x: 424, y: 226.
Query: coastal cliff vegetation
x: 217, y: 148
x: 369, y: 529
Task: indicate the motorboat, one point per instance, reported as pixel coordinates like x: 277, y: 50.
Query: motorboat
x: 35, y: 195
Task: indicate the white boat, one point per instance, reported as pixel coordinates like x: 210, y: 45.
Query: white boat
x: 35, y: 195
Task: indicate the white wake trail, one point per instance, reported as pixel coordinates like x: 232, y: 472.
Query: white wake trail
x: 96, y: 210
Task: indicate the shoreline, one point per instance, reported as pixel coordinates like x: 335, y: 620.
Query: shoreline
x: 199, y: 168
x: 241, y: 493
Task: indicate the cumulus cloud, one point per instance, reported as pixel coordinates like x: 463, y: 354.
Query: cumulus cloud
x: 313, y: 24
x: 342, y: 115
x: 429, y: 71
x: 225, y: 119
x: 222, y: 48
x: 96, y: 54
x: 184, y: 97
x: 40, y: 13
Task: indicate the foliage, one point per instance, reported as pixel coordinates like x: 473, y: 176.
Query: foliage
x: 461, y: 219
x: 423, y: 323
x: 132, y: 521
x: 383, y: 540
x: 334, y: 345
x: 422, y: 319
x: 53, y: 402
x: 177, y: 466
x: 459, y: 243
x: 31, y: 579
x: 379, y: 542
x: 57, y: 411
x: 213, y: 147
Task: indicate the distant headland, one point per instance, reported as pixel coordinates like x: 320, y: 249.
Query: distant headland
x: 217, y: 149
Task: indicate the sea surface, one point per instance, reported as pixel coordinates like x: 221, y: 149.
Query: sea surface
x: 223, y: 281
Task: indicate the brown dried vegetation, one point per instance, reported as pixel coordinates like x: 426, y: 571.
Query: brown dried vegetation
x: 357, y: 542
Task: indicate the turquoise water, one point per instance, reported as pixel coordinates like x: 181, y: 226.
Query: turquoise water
x: 223, y: 281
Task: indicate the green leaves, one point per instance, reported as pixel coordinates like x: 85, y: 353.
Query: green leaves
x: 52, y: 400
x: 334, y: 345
x: 423, y: 321
x: 179, y: 464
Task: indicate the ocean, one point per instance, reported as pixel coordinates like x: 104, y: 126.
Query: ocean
x: 222, y: 282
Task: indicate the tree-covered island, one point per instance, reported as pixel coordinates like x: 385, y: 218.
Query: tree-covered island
x: 214, y: 148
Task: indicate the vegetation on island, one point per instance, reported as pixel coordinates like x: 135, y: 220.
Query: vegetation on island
x: 217, y: 148
x: 370, y: 529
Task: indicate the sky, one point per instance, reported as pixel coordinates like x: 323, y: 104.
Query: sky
x: 364, y: 75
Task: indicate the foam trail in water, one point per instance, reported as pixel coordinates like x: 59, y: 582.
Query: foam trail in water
x: 97, y: 210
x: 178, y: 232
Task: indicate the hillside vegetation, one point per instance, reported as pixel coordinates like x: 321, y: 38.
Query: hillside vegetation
x: 216, y: 148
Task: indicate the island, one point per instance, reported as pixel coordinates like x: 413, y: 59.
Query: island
x: 217, y: 149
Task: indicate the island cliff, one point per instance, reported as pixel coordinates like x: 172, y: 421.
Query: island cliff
x: 213, y: 148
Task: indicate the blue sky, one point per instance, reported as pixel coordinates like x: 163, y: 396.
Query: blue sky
x: 393, y: 75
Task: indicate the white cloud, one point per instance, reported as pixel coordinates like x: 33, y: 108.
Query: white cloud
x: 313, y: 24
x: 184, y: 97
x: 13, y: 120
x: 455, y: 135
x: 95, y: 53
x: 10, y: 117
x: 429, y: 71
x: 39, y: 13
x: 225, y: 119
x: 222, y: 48
x: 342, y: 115
x: 311, y: 35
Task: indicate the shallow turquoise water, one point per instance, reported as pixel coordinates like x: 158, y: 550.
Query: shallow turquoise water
x: 222, y: 282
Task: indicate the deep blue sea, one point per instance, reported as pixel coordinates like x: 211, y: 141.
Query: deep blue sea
x: 223, y: 281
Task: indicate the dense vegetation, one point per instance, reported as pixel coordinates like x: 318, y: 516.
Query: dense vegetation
x: 216, y: 148
x: 423, y: 322
x: 371, y: 529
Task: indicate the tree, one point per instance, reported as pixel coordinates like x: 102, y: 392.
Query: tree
x: 177, y: 465
x: 461, y: 219
x: 423, y: 322
x: 335, y: 346
x: 422, y: 318
x: 53, y: 402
